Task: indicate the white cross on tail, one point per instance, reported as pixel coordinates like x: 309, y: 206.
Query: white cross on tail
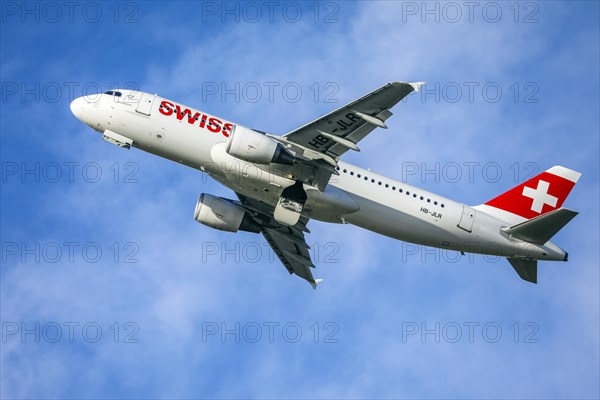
x: 540, y: 196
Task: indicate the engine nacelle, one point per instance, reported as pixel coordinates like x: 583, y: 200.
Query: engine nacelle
x: 256, y: 147
x: 224, y: 215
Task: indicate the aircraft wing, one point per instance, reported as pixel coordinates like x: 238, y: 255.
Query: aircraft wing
x: 340, y: 130
x: 291, y: 248
x: 287, y: 242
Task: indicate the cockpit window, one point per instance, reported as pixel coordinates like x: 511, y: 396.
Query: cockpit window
x: 114, y: 93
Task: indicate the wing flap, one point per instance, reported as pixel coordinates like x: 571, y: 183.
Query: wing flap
x: 293, y: 256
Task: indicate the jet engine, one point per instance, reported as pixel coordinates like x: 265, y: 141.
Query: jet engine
x: 223, y: 214
x: 256, y: 147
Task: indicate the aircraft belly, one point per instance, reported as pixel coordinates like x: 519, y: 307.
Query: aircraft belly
x: 331, y: 205
x: 400, y: 225
x: 245, y: 177
x: 396, y: 224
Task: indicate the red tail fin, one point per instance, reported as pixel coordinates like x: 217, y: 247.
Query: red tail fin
x: 539, y: 195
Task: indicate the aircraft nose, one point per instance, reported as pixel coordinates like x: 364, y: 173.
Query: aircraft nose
x: 77, y: 107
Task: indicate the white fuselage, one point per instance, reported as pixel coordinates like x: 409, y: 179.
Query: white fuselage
x: 356, y: 196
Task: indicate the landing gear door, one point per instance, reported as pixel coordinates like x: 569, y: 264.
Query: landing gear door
x: 146, y: 103
x: 467, y: 218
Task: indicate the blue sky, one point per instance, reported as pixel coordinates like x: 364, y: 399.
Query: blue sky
x: 99, y: 243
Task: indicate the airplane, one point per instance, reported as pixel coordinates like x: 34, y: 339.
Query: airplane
x: 281, y: 182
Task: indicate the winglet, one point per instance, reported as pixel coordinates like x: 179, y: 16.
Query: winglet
x: 315, y: 283
x: 417, y: 85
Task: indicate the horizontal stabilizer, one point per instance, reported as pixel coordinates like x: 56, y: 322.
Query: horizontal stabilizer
x: 541, y: 229
x: 527, y: 269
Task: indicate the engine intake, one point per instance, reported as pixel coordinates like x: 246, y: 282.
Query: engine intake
x: 222, y: 214
x: 252, y: 146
